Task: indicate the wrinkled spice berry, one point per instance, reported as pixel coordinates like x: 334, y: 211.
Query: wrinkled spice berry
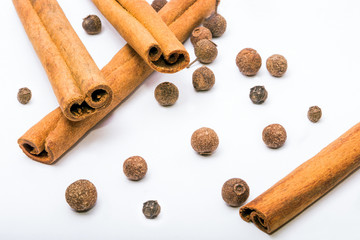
x: 204, y: 141
x: 24, y: 95
x: 200, y: 33
x: 205, y: 52
x: 276, y: 65
x: 135, y: 168
x: 235, y: 192
x: 166, y: 94
x: 258, y: 94
x: 274, y: 136
x: 92, y: 24
x: 216, y: 24
x: 248, y: 61
x: 314, y: 114
x: 151, y: 209
x: 158, y: 4
x: 81, y: 195
x: 203, y: 79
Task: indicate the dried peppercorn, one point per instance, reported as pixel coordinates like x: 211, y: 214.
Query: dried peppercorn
x: 314, y: 114
x: 151, y: 209
x: 248, y: 61
x: 216, y: 24
x: 235, y: 192
x: 135, y: 168
x: 204, y: 141
x: 200, y: 33
x: 166, y: 94
x: 274, y: 136
x: 24, y: 95
x: 92, y: 24
x: 203, y: 79
x: 158, y: 4
x: 81, y: 195
x: 258, y: 94
x: 205, y: 52
x: 276, y: 65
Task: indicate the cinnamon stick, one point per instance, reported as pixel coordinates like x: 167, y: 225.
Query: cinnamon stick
x: 306, y: 184
x: 47, y: 140
x: 78, y: 84
x: 144, y: 30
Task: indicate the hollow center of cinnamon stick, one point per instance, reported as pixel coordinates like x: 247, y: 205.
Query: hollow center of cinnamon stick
x: 81, y: 109
x: 98, y: 95
x: 154, y: 54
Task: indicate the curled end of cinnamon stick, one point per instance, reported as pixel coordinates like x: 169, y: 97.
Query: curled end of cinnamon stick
x: 34, y: 152
x: 249, y: 214
x: 172, y: 62
x: 96, y: 98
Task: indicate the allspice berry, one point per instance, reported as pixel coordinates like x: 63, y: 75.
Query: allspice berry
x: 248, y: 61
x: 314, y: 114
x: 274, y: 136
x: 235, y: 192
x: 151, y: 209
x: 158, y: 4
x: 135, y: 168
x: 205, y: 52
x: 81, y: 195
x: 216, y: 24
x: 200, y: 33
x: 92, y: 24
x: 166, y: 94
x: 24, y: 95
x: 276, y: 65
x: 203, y: 79
x: 204, y: 141
x: 258, y: 94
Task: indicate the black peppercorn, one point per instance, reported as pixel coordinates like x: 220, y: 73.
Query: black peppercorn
x: 258, y: 94
x: 151, y: 209
x: 24, y: 95
x: 92, y: 24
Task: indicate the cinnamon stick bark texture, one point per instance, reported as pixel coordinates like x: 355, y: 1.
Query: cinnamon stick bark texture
x: 50, y: 138
x: 144, y: 30
x: 306, y: 184
x: 78, y: 84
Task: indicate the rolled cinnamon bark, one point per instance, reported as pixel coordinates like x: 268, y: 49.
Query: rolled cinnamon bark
x: 306, y: 184
x: 78, y: 84
x: 144, y: 30
x: 54, y: 134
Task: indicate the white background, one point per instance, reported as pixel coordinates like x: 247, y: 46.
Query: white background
x: 321, y: 43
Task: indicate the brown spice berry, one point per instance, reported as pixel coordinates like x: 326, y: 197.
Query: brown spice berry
x: 81, y: 195
x: 158, y: 4
x: 276, y: 65
x: 24, y: 95
x: 274, y: 135
x: 314, y: 114
x: 216, y: 24
x: 166, y: 94
x: 204, y: 141
x: 205, y: 52
x: 235, y: 192
x: 151, y: 209
x: 203, y: 79
x: 248, y: 61
x: 92, y: 24
x: 135, y: 168
x: 258, y: 94
x: 200, y: 33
